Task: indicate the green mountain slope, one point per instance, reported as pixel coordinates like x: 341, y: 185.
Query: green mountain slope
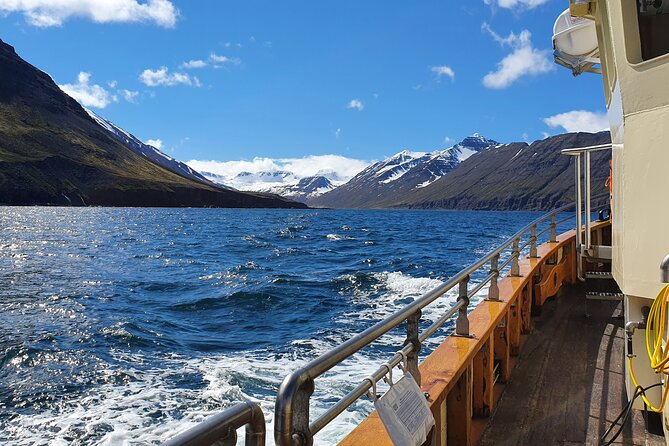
x: 52, y: 152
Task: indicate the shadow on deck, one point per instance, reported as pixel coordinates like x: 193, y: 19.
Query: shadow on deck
x: 569, y: 381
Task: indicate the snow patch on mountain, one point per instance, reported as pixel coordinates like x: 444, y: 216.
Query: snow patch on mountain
x: 435, y: 164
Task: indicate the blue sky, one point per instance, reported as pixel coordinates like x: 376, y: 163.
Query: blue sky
x: 289, y: 79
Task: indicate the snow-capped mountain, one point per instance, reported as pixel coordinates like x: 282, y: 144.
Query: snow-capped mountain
x: 306, y: 189
x: 281, y: 182
x: 149, y: 151
x: 402, y: 173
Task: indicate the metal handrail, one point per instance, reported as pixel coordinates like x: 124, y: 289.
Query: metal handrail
x: 664, y: 270
x: 292, y: 425
x: 579, y: 150
x: 221, y: 429
x: 583, y: 247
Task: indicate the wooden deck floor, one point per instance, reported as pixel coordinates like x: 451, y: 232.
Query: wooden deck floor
x: 568, y: 383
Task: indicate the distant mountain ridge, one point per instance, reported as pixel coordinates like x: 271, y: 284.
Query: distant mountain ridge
x: 400, y: 174
x: 53, y: 153
x: 281, y: 182
x: 516, y: 176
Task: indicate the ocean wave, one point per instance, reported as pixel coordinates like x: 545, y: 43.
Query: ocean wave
x: 337, y: 237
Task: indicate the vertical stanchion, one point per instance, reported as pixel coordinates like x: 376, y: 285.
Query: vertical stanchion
x: 588, y: 223
x: 493, y: 289
x: 579, y: 205
x: 533, y: 242
x: 413, y: 322
x: 553, y: 230
x: 515, y: 268
x: 462, y: 322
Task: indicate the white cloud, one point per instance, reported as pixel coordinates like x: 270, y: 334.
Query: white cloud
x: 128, y: 95
x: 508, y: 4
x: 45, y: 13
x: 88, y: 95
x: 524, y: 60
x: 355, y: 104
x: 195, y: 63
x: 337, y: 133
x: 336, y: 167
x: 448, y: 140
x: 444, y: 70
x: 579, y: 121
x: 162, y: 76
x: 219, y: 60
x: 157, y: 143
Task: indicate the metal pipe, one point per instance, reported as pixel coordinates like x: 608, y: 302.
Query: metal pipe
x: 527, y: 243
x: 480, y: 285
x: 579, y: 223
x: 221, y: 428
x: 439, y: 322
x: 543, y: 231
x: 576, y: 151
x: 664, y: 270
x: 588, y: 212
x: 579, y: 205
x: 356, y: 393
x: 566, y: 219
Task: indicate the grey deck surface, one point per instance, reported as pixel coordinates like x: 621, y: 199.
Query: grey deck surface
x: 568, y: 384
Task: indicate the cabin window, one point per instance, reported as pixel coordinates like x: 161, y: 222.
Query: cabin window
x: 653, y: 27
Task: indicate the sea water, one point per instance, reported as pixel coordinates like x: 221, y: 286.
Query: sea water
x: 127, y: 326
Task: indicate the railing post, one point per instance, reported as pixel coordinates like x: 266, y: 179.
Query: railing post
x: 553, y: 230
x: 588, y: 223
x: 462, y: 322
x: 255, y: 429
x: 515, y: 267
x: 493, y: 289
x: 291, y: 424
x: 533, y: 242
x: 579, y: 207
x: 412, y: 338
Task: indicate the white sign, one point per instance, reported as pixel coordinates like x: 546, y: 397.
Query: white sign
x: 405, y: 414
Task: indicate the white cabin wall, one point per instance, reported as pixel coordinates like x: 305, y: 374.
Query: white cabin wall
x: 638, y: 110
x: 641, y: 164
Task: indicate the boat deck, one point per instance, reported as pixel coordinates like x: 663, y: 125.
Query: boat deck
x: 568, y: 384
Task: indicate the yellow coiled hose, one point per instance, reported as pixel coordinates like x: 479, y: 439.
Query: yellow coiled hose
x: 658, y: 354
